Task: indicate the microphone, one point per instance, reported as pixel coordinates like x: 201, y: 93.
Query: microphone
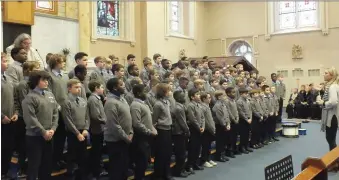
x: 43, y: 62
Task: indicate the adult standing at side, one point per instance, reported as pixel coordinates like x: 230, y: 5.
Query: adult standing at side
x: 277, y: 82
x: 330, y: 113
x: 25, y: 41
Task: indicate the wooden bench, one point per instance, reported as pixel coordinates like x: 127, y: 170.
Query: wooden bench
x: 315, y: 168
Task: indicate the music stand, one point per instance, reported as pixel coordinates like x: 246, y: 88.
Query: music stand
x: 280, y: 170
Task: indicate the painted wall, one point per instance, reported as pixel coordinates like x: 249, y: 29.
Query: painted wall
x: 169, y: 47
x: 246, y: 20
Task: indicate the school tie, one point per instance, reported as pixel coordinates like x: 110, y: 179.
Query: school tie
x: 4, y: 77
x: 102, y: 74
x: 60, y: 75
x: 43, y: 93
x: 77, y: 100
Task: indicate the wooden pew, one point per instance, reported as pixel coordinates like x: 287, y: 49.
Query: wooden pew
x: 315, y: 168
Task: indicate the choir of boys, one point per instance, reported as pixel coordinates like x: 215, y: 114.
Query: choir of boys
x: 137, y: 118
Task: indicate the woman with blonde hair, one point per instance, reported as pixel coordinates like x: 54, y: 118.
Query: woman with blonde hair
x: 330, y: 113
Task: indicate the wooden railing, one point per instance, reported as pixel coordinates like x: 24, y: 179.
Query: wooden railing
x: 315, y: 168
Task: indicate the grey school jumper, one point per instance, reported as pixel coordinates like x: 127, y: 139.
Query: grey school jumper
x: 75, y: 114
x: 15, y: 73
x: 119, y: 121
x: 20, y: 93
x: 263, y: 106
x: 98, y: 75
x: 40, y: 112
x: 8, y: 106
x: 275, y: 102
x: 256, y: 108
x: 162, y: 114
x: 269, y: 102
x: 141, y: 117
x: 244, y: 108
x: 221, y: 112
x: 179, y: 120
x: 58, y: 86
x: 209, y: 122
x: 150, y: 100
x: 96, y: 113
x: 195, y: 117
x: 280, y: 89
x: 233, y: 110
x: 83, y: 89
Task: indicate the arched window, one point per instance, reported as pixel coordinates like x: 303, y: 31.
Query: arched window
x: 242, y: 48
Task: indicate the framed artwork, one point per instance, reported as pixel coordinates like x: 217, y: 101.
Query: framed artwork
x: 49, y: 7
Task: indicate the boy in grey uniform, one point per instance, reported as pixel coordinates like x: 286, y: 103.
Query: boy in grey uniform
x: 245, y: 120
x: 40, y: 112
x: 80, y: 74
x: 9, y: 114
x: 58, y: 86
x: 133, y: 72
x: 234, y: 118
x: 97, y: 121
x: 196, y: 124
x: 14, y: 71
x: 118, y: 131
x: 222, y: 125
x: 99, y: 74
x: 265, y: 114
x: 269, y: 102
x: 76, y: 120
x: 150, y: 97
x: 276, y: 101
x: 209, y: 133
x: 143, y: 129
x: 180, y: 132
x: 258, y: 117
x: 80, y: 58
x: 162, y: 120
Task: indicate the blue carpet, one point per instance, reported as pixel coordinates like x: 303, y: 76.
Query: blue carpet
x: 252, y: 166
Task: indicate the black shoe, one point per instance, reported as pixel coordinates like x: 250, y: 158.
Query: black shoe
x: 275, y: 139
x: 254, y: 146
x: 220, y: 159
x: 103, y: 173
x: 226, y: 158
x: 265, y: 142
x: 21, y: 174
x: 237, y: 152
x: 198, y: 168
x: 249, y: 149
x: 183, y: 174
x: 190, y: 171
x: 243, y: 150
x: 230, y: 154
x: 170, y: 178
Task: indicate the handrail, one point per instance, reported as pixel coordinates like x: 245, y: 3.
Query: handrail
x: 315, y: 168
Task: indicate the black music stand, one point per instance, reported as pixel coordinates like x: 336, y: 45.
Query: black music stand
x: 280, y: 170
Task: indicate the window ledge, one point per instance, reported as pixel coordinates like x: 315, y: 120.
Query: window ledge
x: 179, y: 36
x: 132, y: 42
x: 291, y: 31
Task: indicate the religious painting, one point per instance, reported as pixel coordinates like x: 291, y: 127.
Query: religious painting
x: 49, y: 7
x: 108, y: 18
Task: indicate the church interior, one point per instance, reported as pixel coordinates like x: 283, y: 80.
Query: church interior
x: 297, y: 41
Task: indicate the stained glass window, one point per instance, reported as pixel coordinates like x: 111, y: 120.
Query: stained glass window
x: 175, y: 16
x: 241, y: 48
x: 108, y: 18
x: 297, y: 14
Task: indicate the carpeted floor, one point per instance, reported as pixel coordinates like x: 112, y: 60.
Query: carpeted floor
x: 252, y: 166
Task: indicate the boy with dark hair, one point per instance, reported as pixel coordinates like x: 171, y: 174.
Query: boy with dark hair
x: 128, y: 94
x: 80, y: 72
x: 58, y: 86
x: 40, y: 113
x: 258, y: 117
x: 269, y: 102
x: 183, y: 83
x: 98, y: 74
x: 216, y: 74
x: 277, y: 82
x: 245, y: 120
x: 222, y: 125
x: 21, y: 92
x: 157, y: 62
x: 118, y: 71
x: 76, y: 120
x: 265, y: 116
x: 9, y: 115
x: 130, y: 61
x: 209, y: 134
x: 163, y: 142
x: 196, y: 124
x: 97, y: 121
x: 118, y: 131
x: 143, y: 129
x: 165, y: 67
x: 80, y: 58
x: 150, y: 97
x: 133, y: 72
x: 234, y: 118
x: 253, y: 74
x: 14, y: 70
x: 180, y: 132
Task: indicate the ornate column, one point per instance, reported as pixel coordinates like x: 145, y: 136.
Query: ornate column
x: 85, y: 26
